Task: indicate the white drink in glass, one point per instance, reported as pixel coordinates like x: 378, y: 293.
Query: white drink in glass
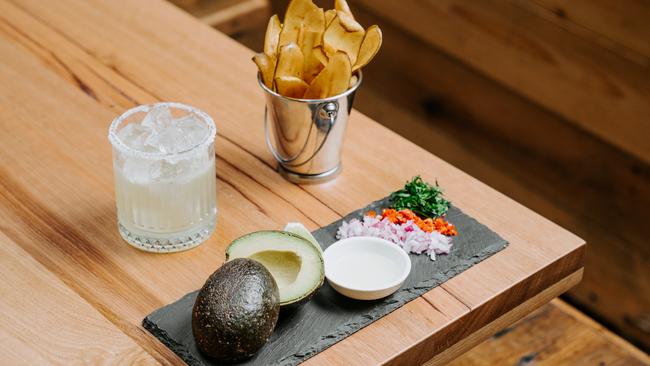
x: 164, y: 166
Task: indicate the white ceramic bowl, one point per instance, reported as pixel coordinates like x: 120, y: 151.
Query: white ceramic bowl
x: 366, y: 268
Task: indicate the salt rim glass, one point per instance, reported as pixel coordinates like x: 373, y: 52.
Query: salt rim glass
x: 153, y: 242
x: 145, y: 108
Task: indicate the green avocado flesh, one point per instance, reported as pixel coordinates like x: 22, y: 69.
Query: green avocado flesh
x: 284, y: 266
x: 235, y: 311
x: 294, y: 262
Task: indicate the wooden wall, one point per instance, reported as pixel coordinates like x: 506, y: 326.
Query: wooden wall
x: 554, y: 53
x: 547, y: 101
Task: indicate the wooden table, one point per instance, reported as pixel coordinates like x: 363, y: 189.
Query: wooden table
x: 73, y: 291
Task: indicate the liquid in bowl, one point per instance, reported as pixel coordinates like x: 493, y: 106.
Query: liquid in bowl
x: 366, y: 268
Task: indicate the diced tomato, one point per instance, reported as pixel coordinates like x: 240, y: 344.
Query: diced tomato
x: 401, y: 217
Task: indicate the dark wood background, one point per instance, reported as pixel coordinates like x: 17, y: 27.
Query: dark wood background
x: 547, y: 101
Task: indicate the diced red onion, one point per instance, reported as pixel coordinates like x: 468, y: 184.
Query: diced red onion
x: 408, y: 235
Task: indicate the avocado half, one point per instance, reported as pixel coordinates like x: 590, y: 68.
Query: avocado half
x: 235, y: 311
x: 295, y: 263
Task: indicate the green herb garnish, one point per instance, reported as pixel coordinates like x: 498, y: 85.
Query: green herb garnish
x: 420, y: 197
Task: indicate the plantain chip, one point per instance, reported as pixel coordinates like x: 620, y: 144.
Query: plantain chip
x: 337, y: 38
x: 312, y: 63
x: 348, y: 22
x: 266, y: 65
x: 333, y: 80
x: 272, y: 37
x: 329, y: 16
x: 290, y: 61
x: 315, y: 52
x: 319, y: 53
x: 369, y: 47
x: 291, y: 86
x: 293, y: 20
x: 314, y: 20
x: 311, y: 35
x: 353, y: 80
x: 342, y: 5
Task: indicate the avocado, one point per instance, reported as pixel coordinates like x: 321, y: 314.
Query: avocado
x: 236, y: 311
x: 300, y: 230
x: 295, y: 263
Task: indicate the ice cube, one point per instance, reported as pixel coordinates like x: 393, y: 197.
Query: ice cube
x: 194, y: 129
x: 158, y: 118
x: 141, y: 171
x: 170, y: 135
x: 152, y: 141
x: 180, y: 135
x: 173, y: 139
x: 134, y: 135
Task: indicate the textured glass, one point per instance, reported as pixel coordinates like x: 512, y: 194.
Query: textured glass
x: 165, y: 189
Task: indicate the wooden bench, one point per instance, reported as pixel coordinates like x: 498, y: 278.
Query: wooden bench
x: 555, y: 334
x: 243, y: 20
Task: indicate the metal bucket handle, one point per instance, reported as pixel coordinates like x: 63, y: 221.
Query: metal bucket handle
x: 329, y: 108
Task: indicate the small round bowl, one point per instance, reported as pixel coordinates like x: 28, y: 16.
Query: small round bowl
x: 366, y: 268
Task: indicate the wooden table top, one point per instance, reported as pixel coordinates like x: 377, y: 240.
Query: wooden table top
x: 74, y: 292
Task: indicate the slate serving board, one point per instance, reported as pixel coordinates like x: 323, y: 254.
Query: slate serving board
x: 329, y: 317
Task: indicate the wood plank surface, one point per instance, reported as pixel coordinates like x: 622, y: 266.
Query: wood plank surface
x: 44, y: 322
x: 555, y: 334
x: 455, y: 350
x: 70, y: 72
x: 238, y: 195
x: 520, y: 45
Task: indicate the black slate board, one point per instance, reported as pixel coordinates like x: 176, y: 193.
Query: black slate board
x: 329, y: 317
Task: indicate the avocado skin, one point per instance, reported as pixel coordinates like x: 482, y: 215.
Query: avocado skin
x: 236, y: 311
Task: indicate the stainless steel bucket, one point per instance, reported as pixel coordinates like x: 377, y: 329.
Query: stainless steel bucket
x: 308, y: 133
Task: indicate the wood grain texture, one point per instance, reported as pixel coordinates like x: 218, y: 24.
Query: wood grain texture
x: 230, y: 16
x: 239, y: 195
x: 569, y: 338
x: 85, y: 252
x: 371, y: 345
x: 58, y: 200
x: 601, y: 91
x: 623, y: 22
x: 457, y: 349
x: 554, y: 167
x: 44, y: 322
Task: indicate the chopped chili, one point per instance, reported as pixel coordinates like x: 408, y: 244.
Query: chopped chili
x: 402, y: 216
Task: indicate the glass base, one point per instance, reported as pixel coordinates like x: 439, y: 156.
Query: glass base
x: 174, y: 243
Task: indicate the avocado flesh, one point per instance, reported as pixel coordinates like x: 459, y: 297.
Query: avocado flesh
x: 235, y: 311
x: 294, y: 262
x: 283, y: 265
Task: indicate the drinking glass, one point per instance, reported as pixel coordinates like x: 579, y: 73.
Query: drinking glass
x: 164, y: 167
